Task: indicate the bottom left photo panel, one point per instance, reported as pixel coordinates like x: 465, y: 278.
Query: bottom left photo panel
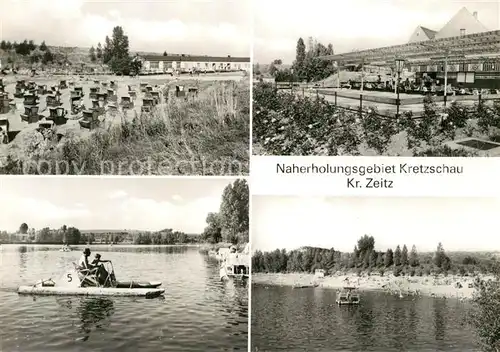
x: 124, y: 264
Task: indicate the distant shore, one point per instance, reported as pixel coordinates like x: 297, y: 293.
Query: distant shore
x: 104, y: 245
x: 451, y: 286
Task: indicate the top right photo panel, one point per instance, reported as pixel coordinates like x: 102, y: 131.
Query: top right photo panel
x: 369, y: 78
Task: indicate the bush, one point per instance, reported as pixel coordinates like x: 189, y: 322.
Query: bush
x: 485, y: 116
x: 378, y: 131
x: 288, y: 125
x: 397, y: 271
x: 445, y: 151
x: 457, y: 114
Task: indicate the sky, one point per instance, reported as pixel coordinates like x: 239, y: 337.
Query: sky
x: 461, y: 224
x: 354, y: 24
x: 110, y: 203
x: 203, y: 27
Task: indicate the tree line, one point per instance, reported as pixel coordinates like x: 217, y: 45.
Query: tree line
x: 29, y: 52
x: 230, y: 224
x: 73, y: 236
x: 308, y: 65
x: 114, y: 53
x: 364, y: 258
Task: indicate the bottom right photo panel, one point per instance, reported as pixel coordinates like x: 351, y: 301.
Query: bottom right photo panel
x: 375, y: 274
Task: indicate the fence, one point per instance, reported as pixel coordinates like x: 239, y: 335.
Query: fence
x: 335, y: 96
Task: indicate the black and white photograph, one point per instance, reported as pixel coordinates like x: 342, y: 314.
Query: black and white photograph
x: 374, y: 274
x: 377, y: 77
x: 143, y: 87
x: 124, y: 264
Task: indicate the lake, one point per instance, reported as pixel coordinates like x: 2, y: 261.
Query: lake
x: 197, y: 313
x: 309, y: 320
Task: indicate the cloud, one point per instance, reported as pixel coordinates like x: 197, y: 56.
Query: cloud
x: 70, y: 22
x: 177, y: 197
x: 292, y: 222
x: 188, y: 217
x: 354, y: 24
x: 38, y: 213
x: 117, y: 194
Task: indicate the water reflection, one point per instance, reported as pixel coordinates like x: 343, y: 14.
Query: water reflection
x: 439, y: 305
x: 199, y: 312
x: 94, y: 314
x: 284, y: 317
x: 23, y: 258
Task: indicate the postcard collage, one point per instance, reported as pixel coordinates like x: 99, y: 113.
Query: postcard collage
x: 249, y: 175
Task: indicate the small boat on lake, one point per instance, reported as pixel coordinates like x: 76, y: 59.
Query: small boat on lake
x: 348, y: 295
x: 235, y: 266
x: 312, y: 285
x: 77, y: 282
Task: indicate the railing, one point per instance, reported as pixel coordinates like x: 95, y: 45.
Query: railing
x: 335, y: 96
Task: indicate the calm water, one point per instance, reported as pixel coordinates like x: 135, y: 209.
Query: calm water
x: 198, y: 313
x: 309, y: 320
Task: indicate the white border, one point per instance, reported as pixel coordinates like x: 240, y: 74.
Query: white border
x: 479, y: 178
x: 249, y: 179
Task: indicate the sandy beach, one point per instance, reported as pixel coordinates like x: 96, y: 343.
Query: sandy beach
x: 440, y: 286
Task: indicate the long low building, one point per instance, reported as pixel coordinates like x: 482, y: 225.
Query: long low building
x: 463, y: 49
x: 185, y: 64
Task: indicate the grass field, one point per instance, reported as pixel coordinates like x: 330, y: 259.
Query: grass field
x: 204, y: 135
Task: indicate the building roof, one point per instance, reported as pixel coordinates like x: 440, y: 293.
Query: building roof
x: 478, y: 45
x: 193, y: 58
x: 421, y: 34
x: 463, y: 19
x: 429, y: 32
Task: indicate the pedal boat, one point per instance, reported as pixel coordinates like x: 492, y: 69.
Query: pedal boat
x: 80, y: 283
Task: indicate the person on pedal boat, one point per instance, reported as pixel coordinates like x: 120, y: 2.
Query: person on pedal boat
x: 84, y: 260
x: 102, y: 273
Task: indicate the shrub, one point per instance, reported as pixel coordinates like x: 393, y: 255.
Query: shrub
x: 397, y: 271
x: 378, y: 131
x: 457, y: 114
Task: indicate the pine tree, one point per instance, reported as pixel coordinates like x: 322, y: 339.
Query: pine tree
x: 388, y: 259
x: 92, y: 54
x: 404, y: 256
x: 413, y: 260
x: 98, y: 52
x: 397, y: 256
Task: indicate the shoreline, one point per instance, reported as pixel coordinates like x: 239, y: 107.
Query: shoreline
x: 101, y: 245
x: 451, y: 286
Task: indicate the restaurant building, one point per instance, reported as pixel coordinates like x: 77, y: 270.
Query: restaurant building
x: 184, y: 64
x: 464, y: 50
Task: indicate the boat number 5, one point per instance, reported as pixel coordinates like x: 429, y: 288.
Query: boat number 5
x: 69, y: 278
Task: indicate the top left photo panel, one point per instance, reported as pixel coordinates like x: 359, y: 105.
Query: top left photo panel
x: 125, y: 88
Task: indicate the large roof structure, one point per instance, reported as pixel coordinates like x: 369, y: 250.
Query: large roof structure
x: 473, y: 46
x: 428, y: 45
x: 463, y: 20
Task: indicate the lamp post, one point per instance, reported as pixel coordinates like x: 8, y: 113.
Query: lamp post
x: 445, y: 79
x: 362, y: 74
x: 291, y: 80
x: 399, y: 67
